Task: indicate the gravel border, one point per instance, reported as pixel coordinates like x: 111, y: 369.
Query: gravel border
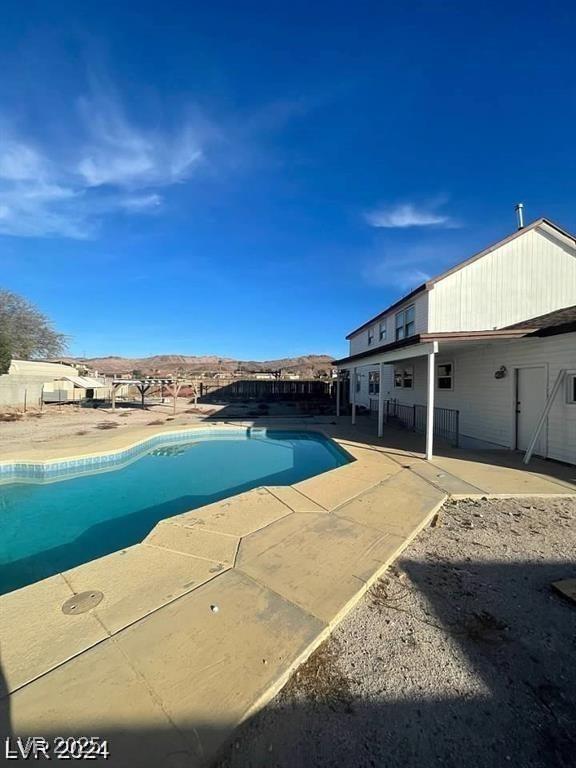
x: 462, y: 655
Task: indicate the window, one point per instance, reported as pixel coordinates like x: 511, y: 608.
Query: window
x: 445, y: 376
x: 571, y: 393
x: 382, y: 330
x: 370, y: 336
x: 373, y: 382
x: 358, y: 383
x: 405, y: 323
x: 404, y: 377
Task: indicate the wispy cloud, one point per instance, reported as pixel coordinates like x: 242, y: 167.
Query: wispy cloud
x: 121, y: 154
x: 113, y: 166
x: 390, y: 273
x: 141, y: 202
x: 406, y: 267
x: 406, y: 215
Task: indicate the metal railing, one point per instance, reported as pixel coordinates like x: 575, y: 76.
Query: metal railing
x: 446, y: 420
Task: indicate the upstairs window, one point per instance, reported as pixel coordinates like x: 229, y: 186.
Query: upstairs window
x: 382, y: 331
x: 404, y: 377
x: 445, y: 376
x: 373, y: 383
x: 405, y: 323
x: 370, y: 336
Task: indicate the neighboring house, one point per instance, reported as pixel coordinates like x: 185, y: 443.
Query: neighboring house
x: 25, y: 380
x: 493, y: 339
x: 28, y: 382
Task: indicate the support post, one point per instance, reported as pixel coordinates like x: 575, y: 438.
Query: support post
x: 113, y: 396
x: 380, y: 400
x: 143, y: 388
x: 338, y: 394
x: 177, y: 388
x: 430, y: 407
x: 353, y: 398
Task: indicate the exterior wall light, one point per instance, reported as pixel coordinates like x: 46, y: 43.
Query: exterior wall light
x: 501, y: 373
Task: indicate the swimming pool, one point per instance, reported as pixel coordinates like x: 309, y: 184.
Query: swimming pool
x: 56, y: 516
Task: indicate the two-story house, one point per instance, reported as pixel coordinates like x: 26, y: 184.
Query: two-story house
x: 493, y: 340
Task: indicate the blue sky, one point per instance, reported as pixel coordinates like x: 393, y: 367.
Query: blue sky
x: 254, y: 180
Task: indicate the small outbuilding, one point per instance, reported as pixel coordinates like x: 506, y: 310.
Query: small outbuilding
x: 25, y: 380
x: 75, y: 388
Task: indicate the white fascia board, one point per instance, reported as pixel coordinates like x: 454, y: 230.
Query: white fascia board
x: 417, y: 350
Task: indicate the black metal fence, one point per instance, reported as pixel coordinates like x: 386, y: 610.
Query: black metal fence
x: 267, y: 390
x: 446, y: 420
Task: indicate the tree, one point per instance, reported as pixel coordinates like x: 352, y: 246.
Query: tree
x: 25, y: 333
x: 5, y: 356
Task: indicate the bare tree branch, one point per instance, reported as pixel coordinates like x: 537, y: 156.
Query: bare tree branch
x: 25, y: 333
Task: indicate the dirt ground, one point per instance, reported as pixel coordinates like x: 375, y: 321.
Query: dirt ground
x: 17, y: 429
x: 462, y: 655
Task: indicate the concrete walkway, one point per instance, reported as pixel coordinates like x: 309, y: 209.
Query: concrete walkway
x: 462, y: 472
x: 203, y: 622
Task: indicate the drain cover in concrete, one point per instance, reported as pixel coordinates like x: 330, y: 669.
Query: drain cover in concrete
x: 82, y: 602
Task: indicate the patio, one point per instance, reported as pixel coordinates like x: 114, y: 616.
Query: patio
x: 457, y: 471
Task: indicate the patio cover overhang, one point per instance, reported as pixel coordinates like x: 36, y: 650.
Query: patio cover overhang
x: 420, y: 345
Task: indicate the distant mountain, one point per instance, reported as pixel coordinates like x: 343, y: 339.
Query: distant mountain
x: 307, y: 365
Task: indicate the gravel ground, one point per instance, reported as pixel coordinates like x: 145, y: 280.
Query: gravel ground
x: 462, y: 655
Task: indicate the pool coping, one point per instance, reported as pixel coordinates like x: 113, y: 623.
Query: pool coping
x: 119, y: 457
x: 309, y: 551
x: 359, y: 477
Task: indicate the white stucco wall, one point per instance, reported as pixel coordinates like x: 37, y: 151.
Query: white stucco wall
x: 25, y: 379
x: 15, y: 389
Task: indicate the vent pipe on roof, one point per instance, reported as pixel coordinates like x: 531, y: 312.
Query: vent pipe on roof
x: 520, y: 215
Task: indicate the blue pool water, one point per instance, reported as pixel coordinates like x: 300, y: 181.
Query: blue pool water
x: 50, y: 526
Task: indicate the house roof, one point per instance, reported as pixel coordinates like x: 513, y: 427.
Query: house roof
x: 416, y: 339
x: 560, y: 321
x: 83, y: 381
x: 411, y: 295
x: 430, y: 283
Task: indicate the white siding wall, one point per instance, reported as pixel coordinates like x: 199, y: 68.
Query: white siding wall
x: 359, y: 342
x: 363, y: 397
x: 486, y: 404
x: 530, y: 276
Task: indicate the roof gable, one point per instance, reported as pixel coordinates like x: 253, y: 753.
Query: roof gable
x: 549, y: 228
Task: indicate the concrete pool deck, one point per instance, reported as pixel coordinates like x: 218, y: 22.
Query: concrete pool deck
x: 205, y: 620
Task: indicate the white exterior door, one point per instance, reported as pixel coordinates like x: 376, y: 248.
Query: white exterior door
x: 530, y: 402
